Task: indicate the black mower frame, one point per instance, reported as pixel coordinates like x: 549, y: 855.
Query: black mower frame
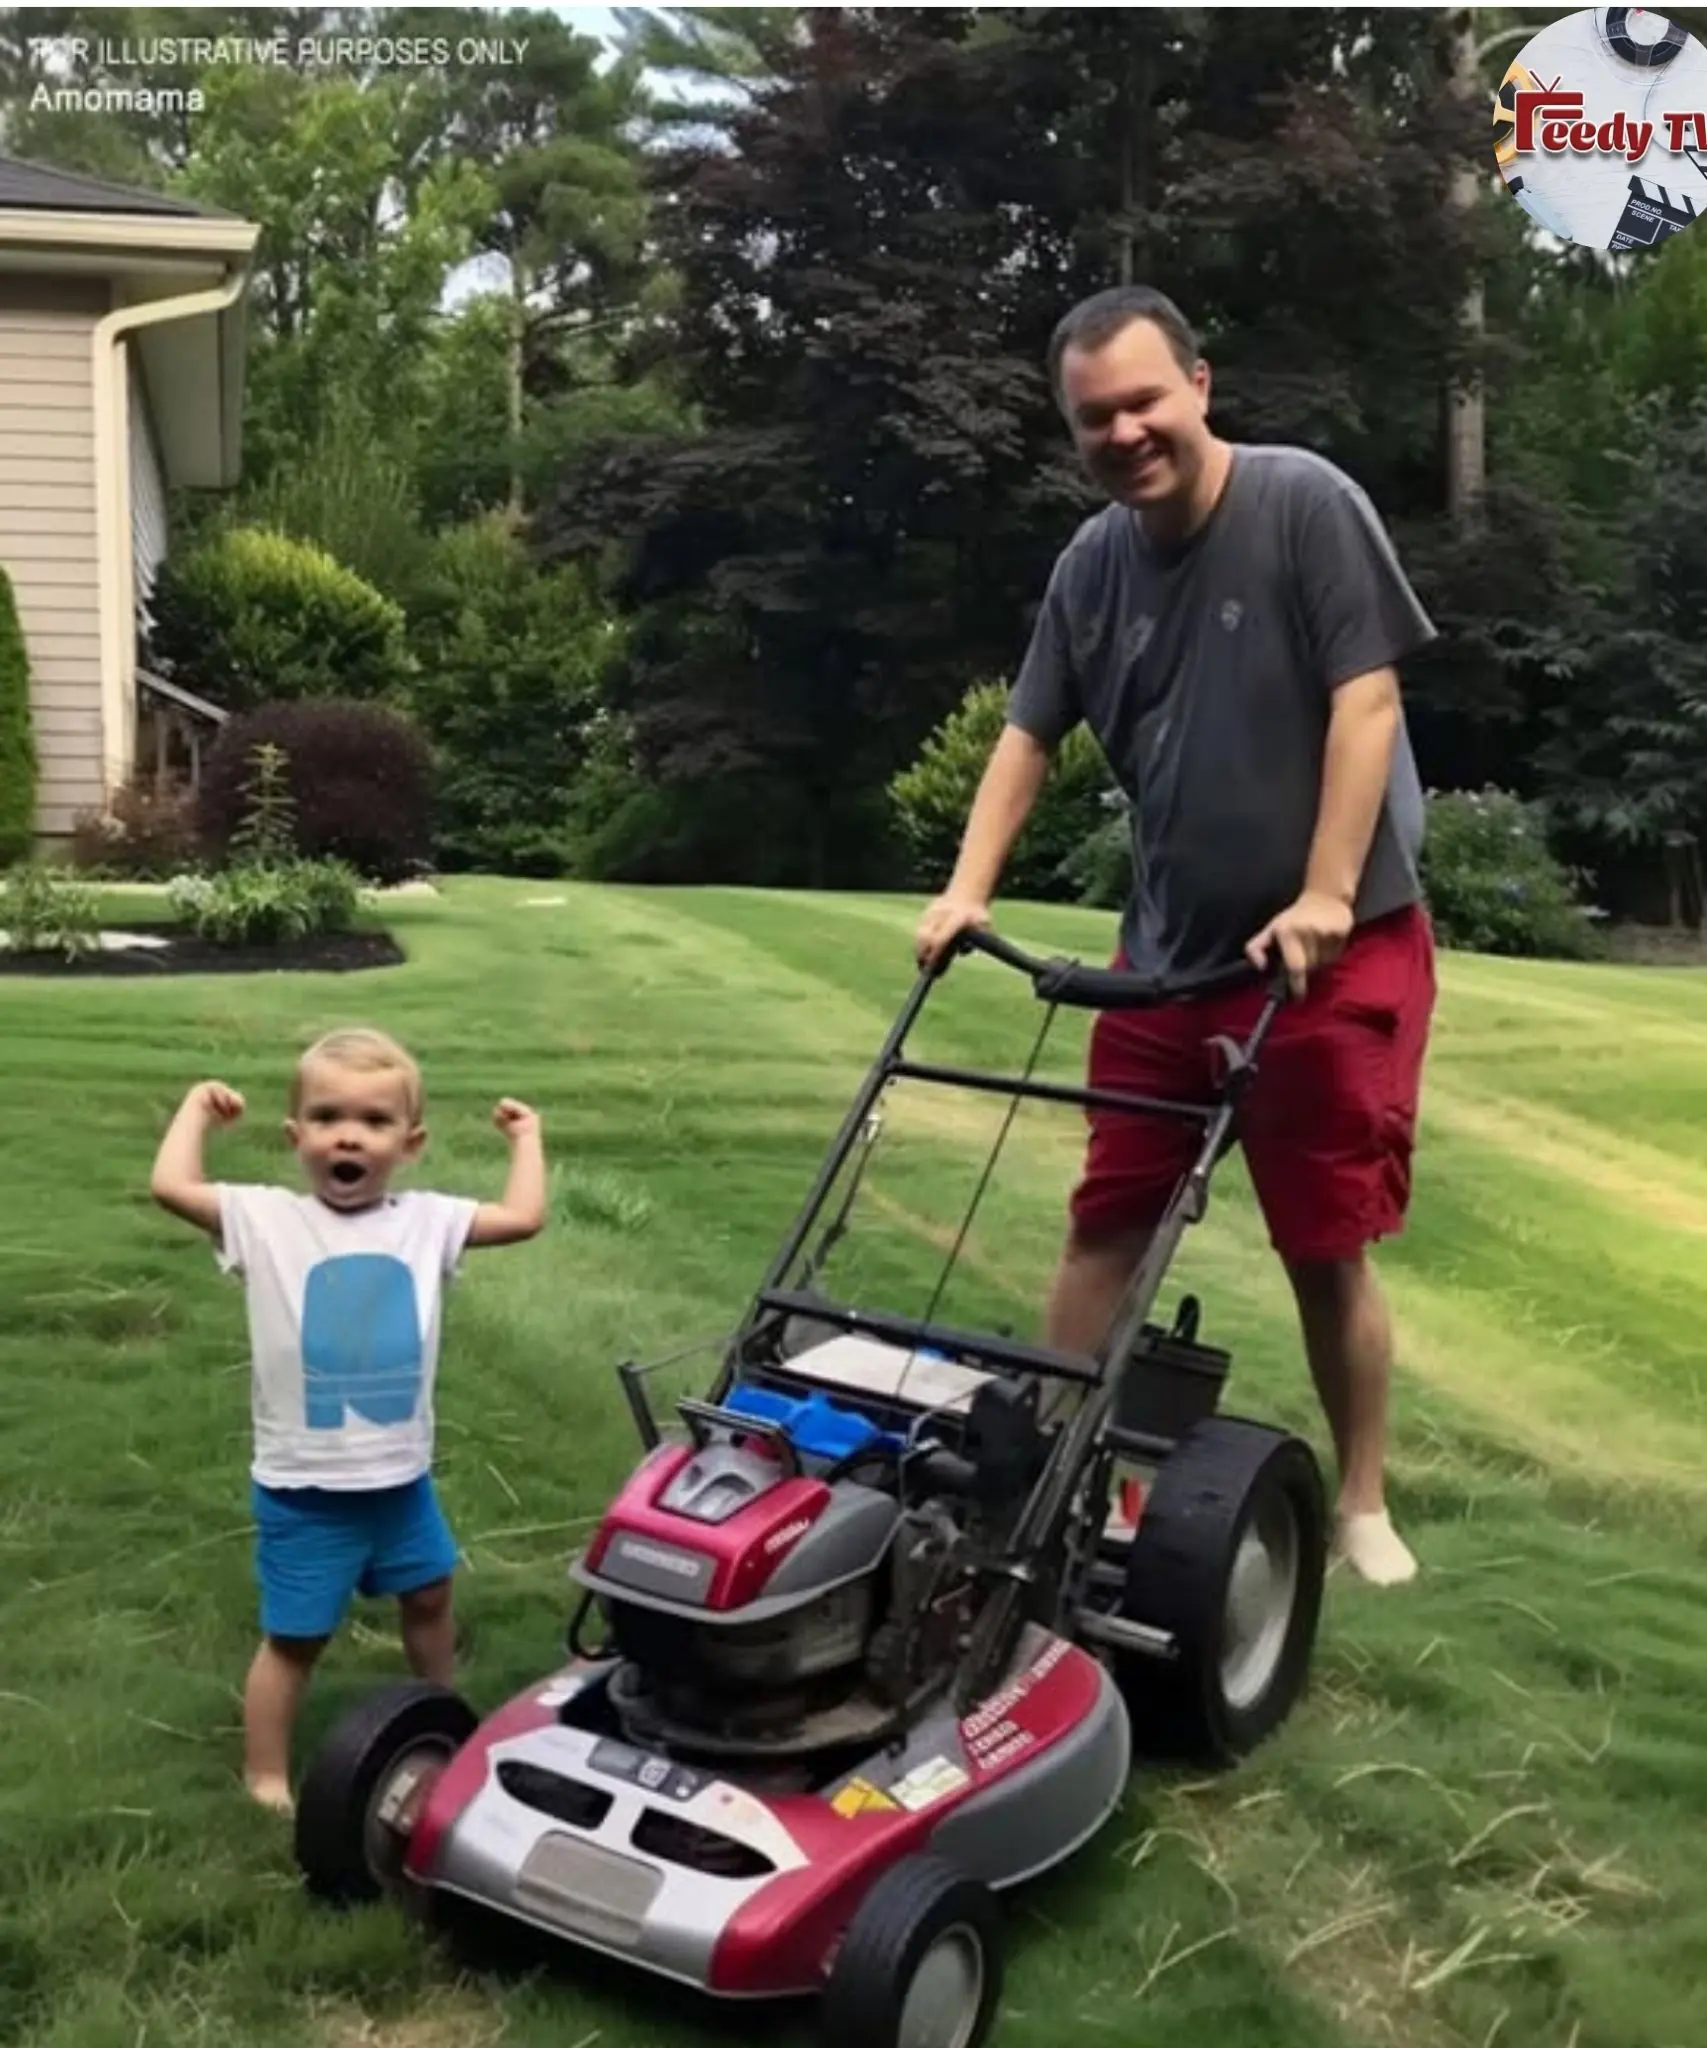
x: 1026, y: 1583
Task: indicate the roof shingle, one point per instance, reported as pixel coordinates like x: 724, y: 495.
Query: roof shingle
x: 40, y: 188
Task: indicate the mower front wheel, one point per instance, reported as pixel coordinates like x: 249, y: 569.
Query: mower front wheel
x: 920, y: 1965
x: 364, y: 1788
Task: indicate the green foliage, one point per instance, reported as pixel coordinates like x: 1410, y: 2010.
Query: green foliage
x: 268, y: 902
x: 45, y: 911
x: 616, y: 820
x: 19, y: 767
x: 358, y: 778
x: 793, y: 407
x: 252, y: 616
x: 509, y: 660
x: 1100, y: 866
x: 365, y: 207
x: 931, y: 798
x: 1494, y: 885
x: 352, y: 492
x: 269, y: 892
x: 1623, y: 753
x: 266, y: 832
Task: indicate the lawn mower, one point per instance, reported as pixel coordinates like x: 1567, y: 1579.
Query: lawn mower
x: 864, y: 1640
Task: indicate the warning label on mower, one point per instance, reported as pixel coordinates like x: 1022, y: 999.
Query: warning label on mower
x: 925, y: 1784
x: 856, y: 1797
x: 992, y: 1735
x: 993, y: 1746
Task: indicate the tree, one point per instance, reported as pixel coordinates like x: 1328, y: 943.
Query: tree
x: 872, y: 251
x: 565, y: 226
x: 821, y: 571
x: 18, y: 762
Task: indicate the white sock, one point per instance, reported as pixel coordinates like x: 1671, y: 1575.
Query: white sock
x: 1373, y: 1549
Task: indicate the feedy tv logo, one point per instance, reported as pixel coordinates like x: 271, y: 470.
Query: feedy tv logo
x: 1600, y: 128
x: 1546, y: 119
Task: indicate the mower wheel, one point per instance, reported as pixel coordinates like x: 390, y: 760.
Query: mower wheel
x: 920, y: 1965
x: 361, y: 1793
x: 1230, y: 1557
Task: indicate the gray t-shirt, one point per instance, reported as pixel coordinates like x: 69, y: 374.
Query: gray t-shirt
x: 1206, y: 673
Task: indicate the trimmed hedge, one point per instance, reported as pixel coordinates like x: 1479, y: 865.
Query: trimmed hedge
x: 19, y: 766
x: 254, y: 617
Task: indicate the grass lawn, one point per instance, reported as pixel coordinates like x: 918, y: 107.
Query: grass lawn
x: 1483, y: 1828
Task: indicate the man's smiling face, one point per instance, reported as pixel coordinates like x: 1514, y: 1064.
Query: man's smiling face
x: 1139, y: 419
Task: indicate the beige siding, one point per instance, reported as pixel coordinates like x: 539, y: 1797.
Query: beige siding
x: 47, y: 531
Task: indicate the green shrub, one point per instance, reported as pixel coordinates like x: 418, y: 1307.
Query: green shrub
x: 268, y: 903
x: 44, y: 911
x: 1493, y: 883
x: 1100, y: 866
x: 252, y: 616
x: 19, y: 767
x: 356, y: 786
x: 509, y: 663
x: 615, y: 818
x: 931, y: 799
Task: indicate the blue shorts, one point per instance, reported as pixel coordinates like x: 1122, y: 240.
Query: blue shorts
x: 316, y: 1549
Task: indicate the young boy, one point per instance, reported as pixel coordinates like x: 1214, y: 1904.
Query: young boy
x: 344, y: 1284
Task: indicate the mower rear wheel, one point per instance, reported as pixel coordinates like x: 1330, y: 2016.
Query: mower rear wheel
x: 364, y: 1787
x: 1230, y: 1557
x: 920, y: 1965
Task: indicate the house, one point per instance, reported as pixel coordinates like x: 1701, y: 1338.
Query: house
x: 121, y: 374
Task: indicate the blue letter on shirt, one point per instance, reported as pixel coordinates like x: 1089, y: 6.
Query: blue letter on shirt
x: 361, y: 1341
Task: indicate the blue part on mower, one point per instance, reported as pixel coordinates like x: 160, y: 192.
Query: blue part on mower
x: 815, y: 1426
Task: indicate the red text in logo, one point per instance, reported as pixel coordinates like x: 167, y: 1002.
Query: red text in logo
x: 1553, y: 123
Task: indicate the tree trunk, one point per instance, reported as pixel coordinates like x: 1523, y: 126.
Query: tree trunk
x: 516, y: 356
x: 1466, y: 416
x: 1134, y: 137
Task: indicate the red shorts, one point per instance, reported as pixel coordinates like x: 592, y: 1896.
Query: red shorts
x: 1328, y: 1123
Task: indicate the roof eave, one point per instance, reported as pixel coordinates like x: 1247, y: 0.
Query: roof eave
x: 117, y: 235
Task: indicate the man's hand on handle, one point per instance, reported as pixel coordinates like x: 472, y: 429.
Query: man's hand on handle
x: 944, y: 921
x: 1310, y: 933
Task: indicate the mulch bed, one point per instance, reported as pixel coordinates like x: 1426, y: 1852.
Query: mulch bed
x: 329, y: 953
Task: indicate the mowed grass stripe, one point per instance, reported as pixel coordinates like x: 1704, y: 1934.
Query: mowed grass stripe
x: 1369, y: 1879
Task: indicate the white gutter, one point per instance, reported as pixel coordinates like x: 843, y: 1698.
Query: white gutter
x: 115, y: 569
x: 152, y: 234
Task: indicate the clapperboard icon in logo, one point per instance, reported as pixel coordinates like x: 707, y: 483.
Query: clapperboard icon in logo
x: 1650, y: 214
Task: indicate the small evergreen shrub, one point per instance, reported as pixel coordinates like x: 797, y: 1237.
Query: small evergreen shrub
x: 252, y: 616
x: 931, y: 799
x: 19, y: 766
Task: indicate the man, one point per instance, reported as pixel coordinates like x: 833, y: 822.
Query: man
x: 1229, y: 628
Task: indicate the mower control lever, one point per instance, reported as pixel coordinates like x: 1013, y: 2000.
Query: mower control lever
x: 704, y: 1418
x: 1104, y: 988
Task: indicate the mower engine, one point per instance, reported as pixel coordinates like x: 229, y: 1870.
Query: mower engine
x: 784, y: 1586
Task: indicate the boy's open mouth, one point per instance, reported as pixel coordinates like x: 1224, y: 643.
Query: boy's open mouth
x: 347, y: 1172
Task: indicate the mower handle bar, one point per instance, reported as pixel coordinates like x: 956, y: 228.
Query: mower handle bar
x: 1105, y: 988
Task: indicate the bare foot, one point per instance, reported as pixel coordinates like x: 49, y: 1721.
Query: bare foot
x: 273, y: 1792
x: 1373, y: 1549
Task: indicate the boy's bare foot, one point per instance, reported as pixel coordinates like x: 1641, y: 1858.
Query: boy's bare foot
x: 272, y: 1792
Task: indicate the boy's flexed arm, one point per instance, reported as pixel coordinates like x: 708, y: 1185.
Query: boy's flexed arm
x: 178, y: 1182
x: 520, y: 1212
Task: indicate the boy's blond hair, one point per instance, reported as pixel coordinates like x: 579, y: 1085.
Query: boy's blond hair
x: 362, y: 1050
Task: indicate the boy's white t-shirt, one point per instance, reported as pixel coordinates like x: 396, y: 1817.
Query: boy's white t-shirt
x: 344, y: 1319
